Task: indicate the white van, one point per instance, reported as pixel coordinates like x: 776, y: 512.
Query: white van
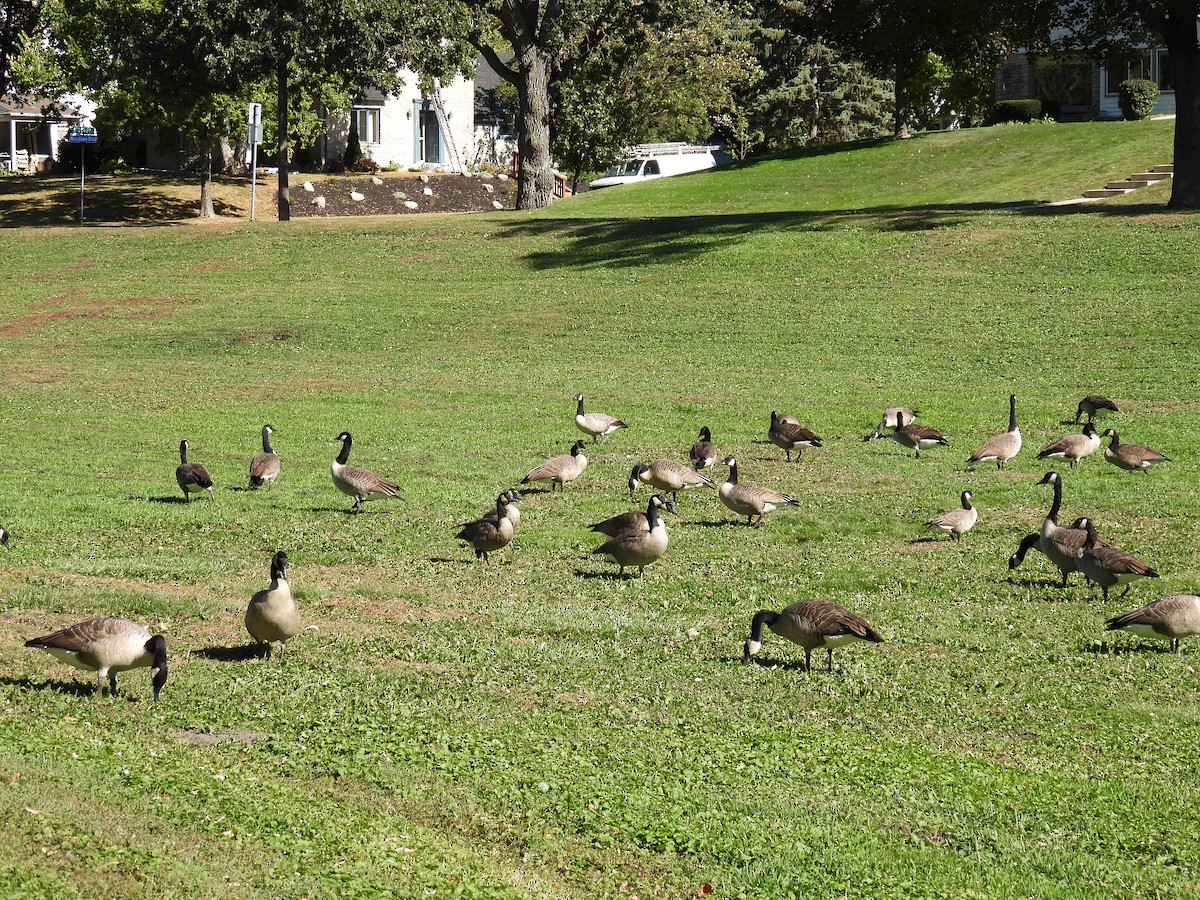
x: 650, y: 161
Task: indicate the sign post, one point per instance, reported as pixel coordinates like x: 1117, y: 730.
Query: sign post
x: 81, y: 134
x: 254, y: 116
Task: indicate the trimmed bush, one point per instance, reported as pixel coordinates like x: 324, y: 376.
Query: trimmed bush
x: 1016, y: 111
x: 353, y: 148
x: 1137, y: 97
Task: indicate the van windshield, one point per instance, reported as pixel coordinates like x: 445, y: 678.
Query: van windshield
x: 631, y: 167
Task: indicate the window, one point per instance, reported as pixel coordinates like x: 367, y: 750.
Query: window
x: 651, y: 168
x: 1153, y: 65
x: 366, y: 123
x: 1162, y: 65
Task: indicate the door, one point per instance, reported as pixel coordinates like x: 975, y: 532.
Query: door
x: 431, y: 136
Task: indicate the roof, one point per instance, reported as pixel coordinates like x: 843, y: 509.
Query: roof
x: 13, y: 106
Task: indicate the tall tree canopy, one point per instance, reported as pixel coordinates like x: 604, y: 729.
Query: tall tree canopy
x: 1111, y: 27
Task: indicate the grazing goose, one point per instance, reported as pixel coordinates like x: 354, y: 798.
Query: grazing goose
x: 750, y: 500
x: 634, y: 519
x: 892, y: 417
x: 1130, y: 456
x: 703, y: 454
x: 490, y: 533
x: 956, y: 522
x: 1029, y: 542
x: 272, y: 616
x: 561, y: 469
x: 789, y: 436
x: 1063, y: 546
x: 1109, y: 565
x: 1073, y: 447
x: 595, y: 424
x: 1094, y: 406
x: 811, y: 624
x: 106, y: 646
x: 666, y: 475
x: 192, y: 477
x: 1170, y: 617
x: 511, y: 498
x: 1002, y: 447
x: 361, y: 484
x: 916, y: 437
x: 636, y: 539
x: 264, y: 467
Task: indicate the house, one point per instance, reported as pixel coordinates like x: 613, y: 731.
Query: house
x: 32, y: 131
x: 495, y: 123
x: 410, y: 129
x: 1074, y: 87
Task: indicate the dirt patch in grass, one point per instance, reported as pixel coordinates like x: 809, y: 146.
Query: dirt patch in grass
x: 69, y: 309
x: 386, y: 195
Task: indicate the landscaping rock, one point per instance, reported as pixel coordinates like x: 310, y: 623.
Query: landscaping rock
x: 411, y: 204
x: 308, y: 186
x: 357, y: 197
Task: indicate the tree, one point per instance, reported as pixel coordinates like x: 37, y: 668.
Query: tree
x: 18, y: 21
x: 169, y: 64
x: 1109, y: 27
x: 550, y: 40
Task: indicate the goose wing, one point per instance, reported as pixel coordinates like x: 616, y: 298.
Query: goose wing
x: 365, y: 482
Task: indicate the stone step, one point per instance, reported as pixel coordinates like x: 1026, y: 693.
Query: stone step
x: 1097, y: 193
x: 1170, y: 167
x: 1127, y: 184
x: 1150, y: 176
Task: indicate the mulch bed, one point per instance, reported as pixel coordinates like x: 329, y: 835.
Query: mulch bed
x: 447, y: 194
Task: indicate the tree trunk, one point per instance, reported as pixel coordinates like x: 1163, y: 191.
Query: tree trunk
x: 1185, y: 61
x: 903, y: 111
x: 281, y: 118
x: 535, y: 187
x: 207, y: 211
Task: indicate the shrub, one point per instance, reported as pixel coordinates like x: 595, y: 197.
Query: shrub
x: 365, y: 164
x: 353, y: 148
x: 1137, y: 97
x: 335, y: 167
x: 1015, y: 111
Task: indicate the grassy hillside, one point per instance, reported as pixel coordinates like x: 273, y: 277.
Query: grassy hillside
x: 539, y: 727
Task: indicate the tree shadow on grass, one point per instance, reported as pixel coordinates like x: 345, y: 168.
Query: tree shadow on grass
x: 1104, y: 648
x: 627, y: 242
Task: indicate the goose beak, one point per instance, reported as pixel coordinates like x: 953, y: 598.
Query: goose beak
x: 160, y: 678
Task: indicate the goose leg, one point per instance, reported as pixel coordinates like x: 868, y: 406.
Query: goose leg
x: 829, y: 650
x: 807, y: 659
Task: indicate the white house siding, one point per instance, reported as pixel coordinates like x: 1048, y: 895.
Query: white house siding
x: 400, y: 125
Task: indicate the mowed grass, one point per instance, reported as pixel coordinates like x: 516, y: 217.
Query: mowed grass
x: 540, y: 728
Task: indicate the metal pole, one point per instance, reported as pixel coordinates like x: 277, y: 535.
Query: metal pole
x: 82, y: 166
x: 253, y: 172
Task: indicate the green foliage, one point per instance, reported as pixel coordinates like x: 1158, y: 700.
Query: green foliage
x: 353, y: 151
x: 1137, y: 97
x: 1015, y: 111
x: 928, y: 89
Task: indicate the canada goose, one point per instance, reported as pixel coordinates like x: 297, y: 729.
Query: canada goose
x: 1002, y: 447
x: 1130, y: 456
x: 595, y: 424
x: 511, y: 498
x: 4, y: 536
x: 789, y: 437
x: 561, y: 469
x: 703, y: 454
x: 1062, y: 545
x: 192, y: 477
x: 1029, y: 542
x: 956, y: 522
x: 1170, y: 617
x: 264, y: 467
x: 106, y: 646
x: 666, y: 475
x: 640, y: 543
x: 1109, y: 565
x: 811, y: 624
x: 490, y: 533
x: 272, y: 616
x: 891, y: 419
x: 1073, y: 447
x: 750, y: 500
x: 634, y: 519
x: 916, y: 437
x: 1094, y: 406
x: 361, y: 484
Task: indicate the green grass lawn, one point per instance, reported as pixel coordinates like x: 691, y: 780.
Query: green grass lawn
x: 540, y: 728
